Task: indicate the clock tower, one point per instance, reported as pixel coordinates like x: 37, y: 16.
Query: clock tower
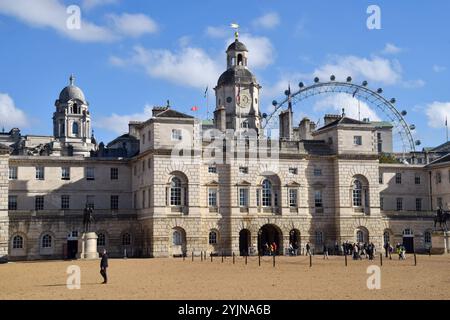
x: 237, y: 93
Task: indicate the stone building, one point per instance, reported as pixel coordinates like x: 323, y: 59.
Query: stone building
x: 175, y: 184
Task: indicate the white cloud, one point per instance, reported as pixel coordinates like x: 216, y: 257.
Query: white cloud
x: 437, y: 112
x: 52, y: 14
x: 438, y: 68
x: 414, y: 84
x: 133, y: 25
x: 10, y: 115
x: 336, y: 102
x: 267, y: 21
x: 261, y: 51
x: 391, y: 49
x: 119, y: 123
x: 189, y: 66
x: 217, y: 32
x: 90, y: 4
x: 371, y: 69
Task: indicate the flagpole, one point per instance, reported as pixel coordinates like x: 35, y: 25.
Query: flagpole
x: 207, y: 104
x: 446, y: 127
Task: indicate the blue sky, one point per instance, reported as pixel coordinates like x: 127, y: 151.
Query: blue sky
x: 131, y: 55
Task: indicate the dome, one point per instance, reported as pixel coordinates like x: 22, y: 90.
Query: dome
x: 236, y: 75
x: 237, y: 46
x: 71, y: 92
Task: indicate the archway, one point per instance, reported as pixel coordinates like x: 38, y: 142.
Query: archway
x: 244, y: 242
x: 408, y: 240
x: 178, y: 242
x: 269, y: 234
x: 294, y: 240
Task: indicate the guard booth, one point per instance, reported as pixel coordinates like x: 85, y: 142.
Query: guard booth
x: 72, y: 245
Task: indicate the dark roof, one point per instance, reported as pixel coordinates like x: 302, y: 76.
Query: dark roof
x: 317, y: 147
x: 237, y: 46
x: 167, y: 112
x: 236, y: 75
x: 343, y: 120
x: 443, y: 159
x: 445, y: 147
x: 125, y: 136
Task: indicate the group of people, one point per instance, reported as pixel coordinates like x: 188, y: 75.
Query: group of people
x: 400, y: 250
x: 270, y: 249
x: 358, y: 250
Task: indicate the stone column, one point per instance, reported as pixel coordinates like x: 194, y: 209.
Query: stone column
x: 4, y: 219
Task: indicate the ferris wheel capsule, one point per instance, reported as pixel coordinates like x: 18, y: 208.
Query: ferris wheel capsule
x: 274, y: 103
x: 365, y: 83
x: 418, y: 142
x: 404, y: 113
x: 412, y: 127
x: 316, y: 79
x: 393, y: 100
x: 332, y: 77
x: 301, y: 85
x: 349, y: 79
x: 380, y: 91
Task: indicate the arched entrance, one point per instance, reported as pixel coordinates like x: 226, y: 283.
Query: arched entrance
x: 178, y: 242
x: 244, y: 242
x: 408, y: 240
x: 294, y: 240
x: 269, y: 234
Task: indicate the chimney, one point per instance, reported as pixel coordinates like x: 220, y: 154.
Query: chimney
x: 220, y: 120
x: 305, y: 129
x: 329, y: 118
x: 286, y: 124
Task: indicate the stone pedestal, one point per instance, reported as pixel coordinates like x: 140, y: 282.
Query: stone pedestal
x: 440, y: 242
x: 87, y: 246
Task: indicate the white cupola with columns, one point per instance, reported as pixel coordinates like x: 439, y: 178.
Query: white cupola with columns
x: 72, y: 121
x: 237, y: 92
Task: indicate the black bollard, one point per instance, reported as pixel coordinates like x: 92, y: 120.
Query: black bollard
x: 201, y: 255
x: 415, y: 259
x: 192, y: 255
x: 245, y: 259
x: 184, y: 256
x: 211, y: 257
x: 345, y: 259
x: 310, y: 261
x: 233, y: 257
x: 381, y: 259
x: 259, y: 259
x: 390, y: 256
x: 222, y: 256
x: 274, y: 261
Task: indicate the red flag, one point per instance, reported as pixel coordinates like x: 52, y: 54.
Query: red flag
x: 194, y: 108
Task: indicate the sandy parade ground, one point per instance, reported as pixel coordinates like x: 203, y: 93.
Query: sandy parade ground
x: 291, y: 278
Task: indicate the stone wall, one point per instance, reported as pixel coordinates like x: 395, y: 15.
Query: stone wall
x: 4, y: 220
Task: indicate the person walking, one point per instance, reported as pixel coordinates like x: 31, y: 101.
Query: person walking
x: 325, y: 252
x: 308, y: 249
x: 104, y: 266
x: 386, y: 248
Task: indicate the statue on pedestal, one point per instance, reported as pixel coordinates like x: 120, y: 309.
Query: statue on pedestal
x: 88, y: 218
x: 441, y: 217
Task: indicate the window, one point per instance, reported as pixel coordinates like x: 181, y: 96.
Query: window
x: 75, y: 128
x: 398, y: 178
x: 90, y: 201
x: 18, y: 242
x: 12, y: 173
x: 90, y: 173
x: 317, y: 172
x: 359, y: 236
x: 114, y: 173
x: 12, y: 202
x: 243, y: 170
x: 408, y: 232
x: 399, y: 204
x: 143, y: 199
x: 134, y: 200
x: 149, y: 136
x: 386, y: 237
x: 318, y: 203
x: 149, y: 163
x: 47, y: 241
x: 65, y: 202
x: 114, y: 202
x: 427, y: 238
x: 357, y: 140
x: 379, y: 143
x: 212, y: 169
x: 380, y: 178
x: 39, y: 203
x: 175, y: 192
x: 293, y: 198
x: 357, y: 193
x: 417, y: 179
x: 143, y: 165
x: 212, y: 197
x: 40, y: 173
x: 126, y: 239
x: 319, y: 237
x: 258, y: 194
x: 176, y: 135
x: 381, y: 203
x: 243, y: 197
x: 418, y: 204
x: 101, y: 240
x: 213, y: 237
x: 267, y: 193
x: 177, y: 238
x: 293, y: 171
x: 65, y: 173
x: 143, y: 138
x: 438, y: 178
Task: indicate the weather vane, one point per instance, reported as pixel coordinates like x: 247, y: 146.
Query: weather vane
x: 235, y: 26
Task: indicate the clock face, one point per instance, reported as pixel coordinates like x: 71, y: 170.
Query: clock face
x: 245, y: 101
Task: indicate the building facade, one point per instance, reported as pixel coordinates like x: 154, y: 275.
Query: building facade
x: 175, y: 184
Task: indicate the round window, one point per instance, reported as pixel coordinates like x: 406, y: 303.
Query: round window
x: 229, y: 99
